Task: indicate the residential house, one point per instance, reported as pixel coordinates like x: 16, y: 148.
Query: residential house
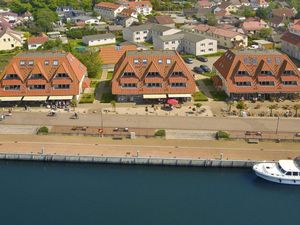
x: 108, y: 10
x: 257, y: 74
x: 10, y: 39
x: 152, y: 76
x: 204, y: 4
x: 227, y: 6
x: 35, y: 42
x: 110, y: 55
x: 137, y: 34
x: 42, y: 76
x: 142, y: 7
x: 165, y: 20
x: 255, y: 4
x: 125, y: 21
x: 226, y: 38
x: 291, y: 41
x: 263, y: 44
x: 281, y: 16
x: 99, y: 39
x: 253, y: 25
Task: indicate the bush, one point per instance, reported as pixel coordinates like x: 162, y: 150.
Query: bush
x: 87, y: 98
x: 107, y: 97
x: 218, y: 95
x: 222, y: 135
x: 199, y: 96
x: 43, y: 130
x: 160, y: 133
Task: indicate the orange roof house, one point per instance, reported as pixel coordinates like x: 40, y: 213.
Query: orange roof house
x: 257, y: 73
x: 140, y: 75
x: 38, y: 76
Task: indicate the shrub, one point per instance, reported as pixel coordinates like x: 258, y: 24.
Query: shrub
x: 199, y: 96
x: 222, y: 135
x: 43, y: 130
x: 160, y: 133
x: 107, y: 97
x: 87, y: 98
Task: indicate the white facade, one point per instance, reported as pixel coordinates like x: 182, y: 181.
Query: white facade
x: 10, y: 40
x: 98, y: 41
x: 140, y: 35
x: 108, y: 13
x: 34, y: 46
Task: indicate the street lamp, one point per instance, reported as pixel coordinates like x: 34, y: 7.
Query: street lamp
x: 277, y: 126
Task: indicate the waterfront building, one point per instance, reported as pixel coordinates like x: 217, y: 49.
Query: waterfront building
x: 155, y: 75
x: 41, y: 76
x: 251, y: 74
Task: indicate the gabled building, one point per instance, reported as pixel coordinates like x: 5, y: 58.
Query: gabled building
x: 36, y: 42
x: 152, y: 75
x: 10, y: 39
x: 253, y: 25
x: 138, y: 34
x: 142, y: 7
x: 164, y: 20
x: 291, y: 41
x: 41, y: 76
x: 253, y: 74
x: 108, y: 10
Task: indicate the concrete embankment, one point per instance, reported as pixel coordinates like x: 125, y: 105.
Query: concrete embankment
x: 130, y: 160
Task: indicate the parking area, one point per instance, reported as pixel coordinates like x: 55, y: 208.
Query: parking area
x: 196, y: 62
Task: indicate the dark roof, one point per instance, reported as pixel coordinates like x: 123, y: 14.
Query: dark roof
x: 164, y: 19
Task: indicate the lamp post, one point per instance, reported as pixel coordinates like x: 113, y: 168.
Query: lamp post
x: 277, y: 126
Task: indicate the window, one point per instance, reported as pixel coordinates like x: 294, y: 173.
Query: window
x: 269, y: 60
x: 8, y: 39
x: 202, y: 44
x: 243, y: 83
x: 266, y: 83
x: 145, y: 32
x: 36, y: 76
x: 61, y: 75
x: 153, y: 74
x: 289, y: 82
x: 137, y: 32
x: 210, y: 43
x: 166, y: 42
x: 254, y: 61
x: 178, y: 85
x: 37, y: 87
x: 30, y: 62
x: 173, y: 42
x: 242, y: 73
x: 178, y: 74
x: 210, y: 49
x: 160, y: 61
x: 11, y: 76
x: 4, y: 39
x: 144, y: 61
x: 288, y: 72
x: 62, y: 86
x: 22, y: 63
x: 266, y: 72
x: 246, y: 60
x: 128, y: 74
x: 277, y: 61
x: 55, y: 62
x: 12, y: 88
x: 153, y: 85
x: 129, y: 85
x: 135, y: 61
x: 168, y: 61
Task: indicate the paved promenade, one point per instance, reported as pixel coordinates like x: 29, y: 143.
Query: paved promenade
x: 154, y: 148
x: 156, y: 122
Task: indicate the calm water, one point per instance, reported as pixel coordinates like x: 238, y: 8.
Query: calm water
x: 77, y: 194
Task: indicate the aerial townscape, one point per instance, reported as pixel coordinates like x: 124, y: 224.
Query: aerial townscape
x: 204, y: 83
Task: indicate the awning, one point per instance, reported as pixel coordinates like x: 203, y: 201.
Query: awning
x: 179, y: 95
x: 155, y: 96
x: 60, y: 97
x: 7, y: 99
x: 35, y: 98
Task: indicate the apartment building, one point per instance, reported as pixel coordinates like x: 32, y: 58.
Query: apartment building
x: 41, y: 76
x: 152, y: 76
x: 138, y: 34
x: 291, y: 41
x: 108, y: 10
x: 257, y: 74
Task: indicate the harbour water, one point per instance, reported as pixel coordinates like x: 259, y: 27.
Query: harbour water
x: 37, y: 193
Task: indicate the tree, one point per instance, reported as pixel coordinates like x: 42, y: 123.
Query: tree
x: 44, y: 19
x: 247, y: 11
x: 113, y: 105
x: 91, y: 60
x: 265, y: 33
x: 241, y: 105
x: 140, y: 18
x: 51, y: 45
x: 263, y: 13
x: 272, y: 107
x: 211, y: 19
x: 73, y: 103
x: 296, y: 108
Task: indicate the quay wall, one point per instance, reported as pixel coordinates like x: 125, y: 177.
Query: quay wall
x: 129, y: 160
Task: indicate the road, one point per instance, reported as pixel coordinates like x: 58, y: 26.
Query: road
x: 157, y: 122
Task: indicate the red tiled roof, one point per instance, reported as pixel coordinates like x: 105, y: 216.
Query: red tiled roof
x: 127, y: 12
x: 204, y: 3
x: 291, y: 38
x: 253, y: 62
x: 134, y: 5
x: 142, y: 62
x: 21, y: 65
x: 164, y: 19
x: 283, y: 12
x: 111, y: 54
x: 37, y: 40
x: 216, y: 31
x: 107, y: 5
x: 253, y: 25
x: 296, y: 25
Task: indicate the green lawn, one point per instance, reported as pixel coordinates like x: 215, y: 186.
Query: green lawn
x: 208, y: 82
x: 199, y: 96
x: 209, y: 74
x: 149, y: 44
x: 184, y: 56
x: 94, y: 83
x: 219, y: 53
x: 218, y: 95
x: 110, y: 75
x: 107, y: 97
x: 87, y: 98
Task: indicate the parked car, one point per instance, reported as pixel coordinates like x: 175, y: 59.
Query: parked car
x: 202, y: 58
x: 198, y: 69
x: 189, y: 60
x: 205, y: 68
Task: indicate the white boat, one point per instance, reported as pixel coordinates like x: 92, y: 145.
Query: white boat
x: 283, y: 171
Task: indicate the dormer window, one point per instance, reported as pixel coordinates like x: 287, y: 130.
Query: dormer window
x: 46, y: 62
x: 30, y: 62
x: 153, y: 74
x: 160, y: 61
x: 266, y: 72
x: 242, y: 73
x: 61, y: 75
x: 22, y: 63
x: 55, y: 62
x: 168, y: 61
x: 144, y: 61
x: 36, y: 76
x: 128, y: 74
x: 288, y: 72
x: 177, y: 74
x: 11, y: 76
x: 135, y: 61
